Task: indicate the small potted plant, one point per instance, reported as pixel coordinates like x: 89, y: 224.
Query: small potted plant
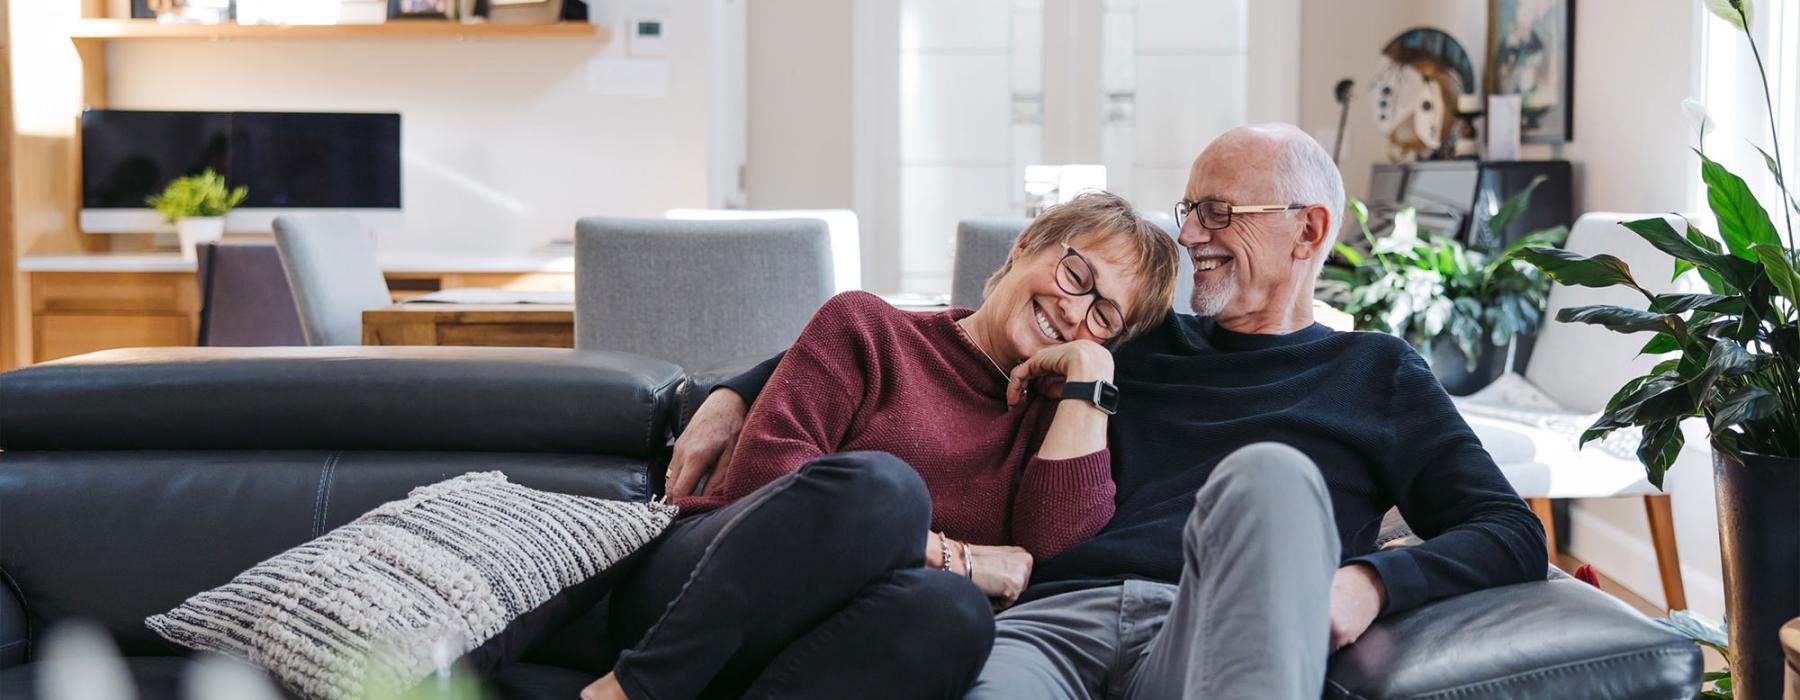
x: 197, y: 205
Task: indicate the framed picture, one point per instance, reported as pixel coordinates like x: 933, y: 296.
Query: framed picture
x: 1531, y: 53
x: 421, y: 9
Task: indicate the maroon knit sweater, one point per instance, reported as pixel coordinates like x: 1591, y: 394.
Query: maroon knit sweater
x: 867, y: 376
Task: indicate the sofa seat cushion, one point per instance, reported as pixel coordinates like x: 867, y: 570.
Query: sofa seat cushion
x: 1546, y: 640
x: 160, y: 678
x: 156, y: 678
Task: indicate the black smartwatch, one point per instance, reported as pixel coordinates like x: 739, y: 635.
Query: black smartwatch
x: 1103, y: 394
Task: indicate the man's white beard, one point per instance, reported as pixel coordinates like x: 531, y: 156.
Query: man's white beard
x: 1210, y: 299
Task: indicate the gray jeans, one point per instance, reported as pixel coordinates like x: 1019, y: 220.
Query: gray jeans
x: 1250, y: 619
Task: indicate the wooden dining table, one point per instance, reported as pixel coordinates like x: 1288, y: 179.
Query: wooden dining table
x: 500, y: 325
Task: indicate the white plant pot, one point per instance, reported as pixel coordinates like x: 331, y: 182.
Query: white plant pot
x: 196, y: 230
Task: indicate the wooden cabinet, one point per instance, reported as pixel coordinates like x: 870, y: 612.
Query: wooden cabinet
x: 77, y: 312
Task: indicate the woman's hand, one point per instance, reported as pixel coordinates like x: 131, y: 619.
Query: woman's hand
x: 1000, y: 572
x: 1075, y: 361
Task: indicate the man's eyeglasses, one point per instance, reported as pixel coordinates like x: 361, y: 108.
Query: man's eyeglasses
x: 1216, y: 214
x: 1075, y: 276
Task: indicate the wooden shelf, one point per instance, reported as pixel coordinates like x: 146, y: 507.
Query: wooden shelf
x: 89, y: 30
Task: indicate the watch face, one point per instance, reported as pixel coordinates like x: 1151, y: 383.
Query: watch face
x: 1107, y: 397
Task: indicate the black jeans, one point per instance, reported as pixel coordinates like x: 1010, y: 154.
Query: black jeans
x: 811, y: 587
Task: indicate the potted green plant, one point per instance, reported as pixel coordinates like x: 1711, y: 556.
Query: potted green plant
x: 1734, y: 362
x: 1430, y: 289
x: 197, y: 205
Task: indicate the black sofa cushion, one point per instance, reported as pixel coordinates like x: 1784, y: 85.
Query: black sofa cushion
x: 115, y: 537
x: 376, y: 398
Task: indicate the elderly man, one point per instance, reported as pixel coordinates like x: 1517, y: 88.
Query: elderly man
x: 1255, y: 454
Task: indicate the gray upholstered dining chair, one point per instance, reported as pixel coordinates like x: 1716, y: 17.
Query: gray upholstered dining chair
x: 244, y: 297
x: 701, y: 294
x: 982, y: 246
x: 331, y: 269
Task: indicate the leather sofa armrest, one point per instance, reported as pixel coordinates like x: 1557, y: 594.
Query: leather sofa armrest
x: 1559, y: 638
x: 15, y: 633
x: 354, y: 398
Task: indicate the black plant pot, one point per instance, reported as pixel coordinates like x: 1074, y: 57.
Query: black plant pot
x: 1448, y: 364
x: 1759, y: 543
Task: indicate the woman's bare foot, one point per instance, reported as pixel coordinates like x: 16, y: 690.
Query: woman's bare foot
x: 607, y: 688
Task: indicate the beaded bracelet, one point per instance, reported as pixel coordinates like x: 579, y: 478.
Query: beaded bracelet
x: 944, y: 545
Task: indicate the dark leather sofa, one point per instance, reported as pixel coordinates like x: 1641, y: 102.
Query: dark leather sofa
x: 131, y: 479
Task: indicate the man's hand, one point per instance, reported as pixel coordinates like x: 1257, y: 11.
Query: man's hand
x: 1075, y: 361
x: 705, y: 446
x: 1357, y: 596
x: 1000, y: 572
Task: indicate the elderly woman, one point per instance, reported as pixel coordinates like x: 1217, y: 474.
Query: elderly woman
x: 896, y: 479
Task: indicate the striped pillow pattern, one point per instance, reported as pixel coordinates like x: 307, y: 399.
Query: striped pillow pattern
x: 378, y: 604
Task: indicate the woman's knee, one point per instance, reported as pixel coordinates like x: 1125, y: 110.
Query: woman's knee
x: 948, y: 616
x: 874, y: 486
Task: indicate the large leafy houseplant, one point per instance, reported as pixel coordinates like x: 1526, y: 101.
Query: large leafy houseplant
x: 1425, y: 287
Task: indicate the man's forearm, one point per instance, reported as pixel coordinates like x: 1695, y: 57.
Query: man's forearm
x: 751, y: 383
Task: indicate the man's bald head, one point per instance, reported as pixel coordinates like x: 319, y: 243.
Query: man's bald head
x: 1280, y: 162
x: 1256, y: 273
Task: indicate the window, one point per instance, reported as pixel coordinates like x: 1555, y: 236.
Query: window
x: 1734, y: 95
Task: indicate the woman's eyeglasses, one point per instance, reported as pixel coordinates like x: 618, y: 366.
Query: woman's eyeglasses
x: 1216, y: 214
x: 1075, y: 277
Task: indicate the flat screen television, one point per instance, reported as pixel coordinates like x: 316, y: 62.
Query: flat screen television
x: 292, y: 163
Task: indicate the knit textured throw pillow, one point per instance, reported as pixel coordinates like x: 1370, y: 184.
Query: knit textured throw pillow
x: 378, y: 604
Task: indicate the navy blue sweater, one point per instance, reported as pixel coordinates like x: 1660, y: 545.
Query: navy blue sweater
x: 1363, y: 406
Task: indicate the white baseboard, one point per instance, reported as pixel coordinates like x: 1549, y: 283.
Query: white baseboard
x: 1630, y: 559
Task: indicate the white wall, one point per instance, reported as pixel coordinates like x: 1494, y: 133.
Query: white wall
x: 1634, y: 64
x: 503, y: 144
x: 800, y: 116
x: 1344, y: 40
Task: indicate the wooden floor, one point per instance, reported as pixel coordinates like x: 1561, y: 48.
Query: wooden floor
x: 1713, y: 662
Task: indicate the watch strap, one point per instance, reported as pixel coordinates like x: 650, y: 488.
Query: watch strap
x: 1101, y: 393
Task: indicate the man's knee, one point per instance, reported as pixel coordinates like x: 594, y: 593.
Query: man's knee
x: 1268, y: 471
x: 1256, y: 483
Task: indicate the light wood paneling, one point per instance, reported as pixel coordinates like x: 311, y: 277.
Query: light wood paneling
x: 14, y: 344
x: 62, y: 335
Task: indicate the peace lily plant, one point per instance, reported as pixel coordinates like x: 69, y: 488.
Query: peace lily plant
x: 1736, y: 348
x: 1733, y: 360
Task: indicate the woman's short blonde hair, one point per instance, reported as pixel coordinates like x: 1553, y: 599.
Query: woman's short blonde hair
x: 1153, y: 253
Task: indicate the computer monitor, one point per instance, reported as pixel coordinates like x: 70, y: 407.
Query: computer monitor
x: 291, y: 162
